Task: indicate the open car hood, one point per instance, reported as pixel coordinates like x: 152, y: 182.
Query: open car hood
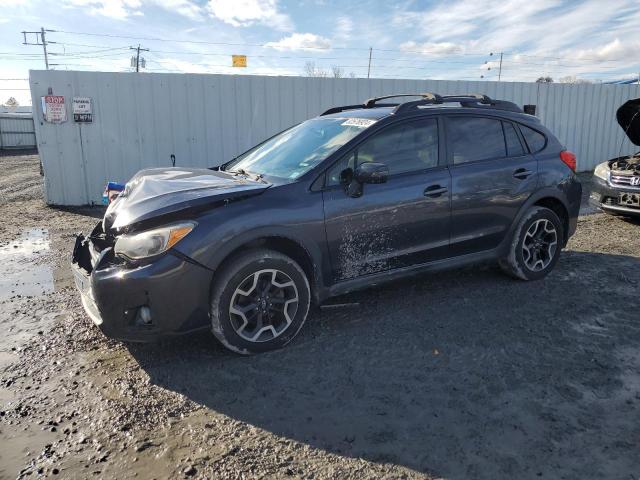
x: 628, y: 116
x: 160, y: 191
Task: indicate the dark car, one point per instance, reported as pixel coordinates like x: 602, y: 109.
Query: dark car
x: 616, y: 182
x: 359, y: 195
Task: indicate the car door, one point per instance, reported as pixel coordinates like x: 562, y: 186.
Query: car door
x: 402, y: 222
x: 492, y: 175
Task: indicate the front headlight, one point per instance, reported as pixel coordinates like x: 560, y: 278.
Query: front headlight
x: 152, y: 242
x: 602, y: 171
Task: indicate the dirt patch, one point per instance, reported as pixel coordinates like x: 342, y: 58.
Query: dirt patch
x: 463, y: 374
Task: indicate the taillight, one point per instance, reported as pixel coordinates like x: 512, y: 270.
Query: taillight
x: 569, y: 159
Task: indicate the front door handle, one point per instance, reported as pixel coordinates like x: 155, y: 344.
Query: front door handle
x: 522, y: 173
x: 434, y: 191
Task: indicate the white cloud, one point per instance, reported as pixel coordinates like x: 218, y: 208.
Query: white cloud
x: 116, y: 9
x: 186, y: 8
x: 121, y: 9
x: 431, y: 48
x: 301, y: 41
x: 245, y: 13
x: 612, y: 50
x: 344, y: 27
x: 14, y: 3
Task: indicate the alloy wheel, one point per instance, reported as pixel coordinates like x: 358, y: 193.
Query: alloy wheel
x: 263, y: 305
x: 539, y: 245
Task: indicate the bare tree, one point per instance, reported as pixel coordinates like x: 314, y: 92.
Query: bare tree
x: 544, y: 80
x: 311, y: 70
x: 337, y: 72
x: 11, y: 102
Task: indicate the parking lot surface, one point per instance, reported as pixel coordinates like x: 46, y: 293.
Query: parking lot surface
x: 462, y: 374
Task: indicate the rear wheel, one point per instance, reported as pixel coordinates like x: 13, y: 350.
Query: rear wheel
x: 259, y: 302
x: 536, y: 244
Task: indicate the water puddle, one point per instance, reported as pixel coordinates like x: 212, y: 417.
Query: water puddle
x: 19, y: 272
x: 25, y: 277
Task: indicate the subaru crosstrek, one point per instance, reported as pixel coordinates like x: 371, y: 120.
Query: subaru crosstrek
x: 359, y: 195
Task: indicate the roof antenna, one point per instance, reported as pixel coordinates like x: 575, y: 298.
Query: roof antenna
x: 173, y: 160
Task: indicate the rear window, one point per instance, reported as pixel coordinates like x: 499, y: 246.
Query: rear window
x: 476, y: 138
x: 535, y: 140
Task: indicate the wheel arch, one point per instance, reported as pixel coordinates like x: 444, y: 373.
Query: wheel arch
x: 286, y: 245
x: 548, y: 198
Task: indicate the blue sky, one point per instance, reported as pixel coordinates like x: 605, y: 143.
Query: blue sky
x: 591, y: 39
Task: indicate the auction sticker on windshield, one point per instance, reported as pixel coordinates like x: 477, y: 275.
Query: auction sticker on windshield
x: 358, y: 122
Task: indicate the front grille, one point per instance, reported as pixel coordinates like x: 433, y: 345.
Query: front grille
x: 624, y: 180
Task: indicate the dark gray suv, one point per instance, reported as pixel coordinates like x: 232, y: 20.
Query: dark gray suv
x: 359, y: 195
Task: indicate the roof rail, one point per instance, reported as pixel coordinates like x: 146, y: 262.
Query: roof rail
x: 474, y: 100
x: 432, y: 97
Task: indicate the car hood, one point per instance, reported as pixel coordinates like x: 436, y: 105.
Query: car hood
x: 628, y: 116
x: 160, y: 191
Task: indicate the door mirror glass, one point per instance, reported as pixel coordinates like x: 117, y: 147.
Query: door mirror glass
x: 371, y: 172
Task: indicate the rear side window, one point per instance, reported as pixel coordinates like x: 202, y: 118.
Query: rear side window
x: 535, y: 140
x: 476, y: 138
x: 514, y: 146
x: 406, y: 147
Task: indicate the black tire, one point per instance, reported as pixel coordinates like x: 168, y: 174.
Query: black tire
x: 515, y: 264
x: 235, y: 279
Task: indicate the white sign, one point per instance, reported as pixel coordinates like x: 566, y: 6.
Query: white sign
x: 358, y: 122
x: 54, y: 109
x: 81, y: 107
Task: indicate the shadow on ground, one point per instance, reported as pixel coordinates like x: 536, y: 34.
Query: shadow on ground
x: 465, y: 374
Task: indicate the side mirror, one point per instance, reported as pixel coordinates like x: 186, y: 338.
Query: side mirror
x: 369, y: 172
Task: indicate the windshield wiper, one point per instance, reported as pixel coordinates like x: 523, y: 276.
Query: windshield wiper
x: 241, y: 171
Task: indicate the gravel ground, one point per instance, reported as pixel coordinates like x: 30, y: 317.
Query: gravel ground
x: 463, y: 374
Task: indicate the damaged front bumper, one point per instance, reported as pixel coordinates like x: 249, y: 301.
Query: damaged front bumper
x: 166, y: 296
x: 617, y: 200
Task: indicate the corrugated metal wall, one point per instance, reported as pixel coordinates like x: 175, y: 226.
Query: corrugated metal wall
x: 141, y: 119
x: 16, y: 131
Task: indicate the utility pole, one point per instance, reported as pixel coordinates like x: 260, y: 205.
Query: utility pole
x: 369, y: 69
x: 500, y: 69
x: 40, y: 40
x: 138, y: 50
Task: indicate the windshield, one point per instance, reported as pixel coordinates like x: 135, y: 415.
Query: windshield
x: 297, y: 150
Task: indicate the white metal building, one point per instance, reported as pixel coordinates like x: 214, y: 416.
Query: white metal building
x: 140, y: 120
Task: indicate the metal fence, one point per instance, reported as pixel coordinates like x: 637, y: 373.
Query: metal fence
x: 16, y: 131
x: 140, y: 120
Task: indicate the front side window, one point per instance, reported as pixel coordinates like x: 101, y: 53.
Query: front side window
x: 406, y: 147
x: 294, y: 152
x: 475, y: 138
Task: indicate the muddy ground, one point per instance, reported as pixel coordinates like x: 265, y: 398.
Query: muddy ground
x: 464, y: 374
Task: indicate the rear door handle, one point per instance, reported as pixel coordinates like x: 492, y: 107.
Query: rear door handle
x: 435, y: 191
x: 522, y: 173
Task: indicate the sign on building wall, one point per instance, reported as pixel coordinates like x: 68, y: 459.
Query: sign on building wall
x: 54, y: 109
x: 239, y: 60
x: 81, y: 107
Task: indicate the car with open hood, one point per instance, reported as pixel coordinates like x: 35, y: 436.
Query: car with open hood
x: 616, y: 182
x: 360, y: 195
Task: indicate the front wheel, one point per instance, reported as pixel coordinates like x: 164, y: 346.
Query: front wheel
x: 259, y: 302
x: 536, y: 244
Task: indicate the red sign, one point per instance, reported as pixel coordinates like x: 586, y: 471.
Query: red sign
x: 54, y: 109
